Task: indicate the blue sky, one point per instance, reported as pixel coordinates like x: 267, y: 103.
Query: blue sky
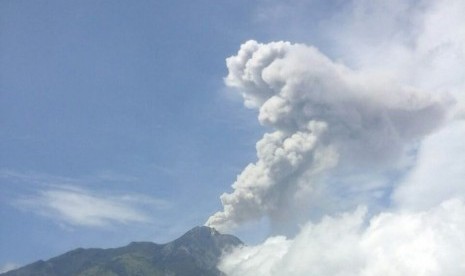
x: 106, y: 99
x: 115, y: 98
x: 116, y: 123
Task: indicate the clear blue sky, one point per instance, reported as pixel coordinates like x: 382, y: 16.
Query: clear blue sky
x: 120, y: 105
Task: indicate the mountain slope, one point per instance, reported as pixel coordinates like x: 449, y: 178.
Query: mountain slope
x: 196, y: 253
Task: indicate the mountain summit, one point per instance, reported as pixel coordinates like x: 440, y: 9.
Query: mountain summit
x: 196, y: 253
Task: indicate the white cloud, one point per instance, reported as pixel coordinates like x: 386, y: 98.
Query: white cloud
x: 420, y: 42
x: 79, y: 207
x: 426, y: 243
x: 439, y: 172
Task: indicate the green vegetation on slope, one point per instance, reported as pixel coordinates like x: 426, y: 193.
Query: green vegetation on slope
x: 196, y: 253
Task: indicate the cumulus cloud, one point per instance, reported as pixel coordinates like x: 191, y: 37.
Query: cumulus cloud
x: 79, y: 207
x: 404, y: 243
x: 324, y: 115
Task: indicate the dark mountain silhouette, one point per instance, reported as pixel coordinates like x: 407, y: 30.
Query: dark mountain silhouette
x: 196, y: 253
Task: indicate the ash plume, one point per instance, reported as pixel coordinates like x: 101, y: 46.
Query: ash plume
x: 324, y: 115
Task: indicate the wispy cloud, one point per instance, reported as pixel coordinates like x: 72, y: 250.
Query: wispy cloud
x: 75, y: 206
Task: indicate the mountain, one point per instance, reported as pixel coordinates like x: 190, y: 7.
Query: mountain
x: 196, y: 253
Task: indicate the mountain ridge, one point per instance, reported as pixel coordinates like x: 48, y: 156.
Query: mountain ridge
x: 196, y: 252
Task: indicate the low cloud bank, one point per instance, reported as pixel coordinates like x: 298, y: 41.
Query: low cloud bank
x: 403, y: 243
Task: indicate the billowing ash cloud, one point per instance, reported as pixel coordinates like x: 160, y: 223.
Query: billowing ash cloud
x: 324, y: 117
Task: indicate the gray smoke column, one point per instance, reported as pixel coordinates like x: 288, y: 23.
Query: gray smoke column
x: 324, y: 117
